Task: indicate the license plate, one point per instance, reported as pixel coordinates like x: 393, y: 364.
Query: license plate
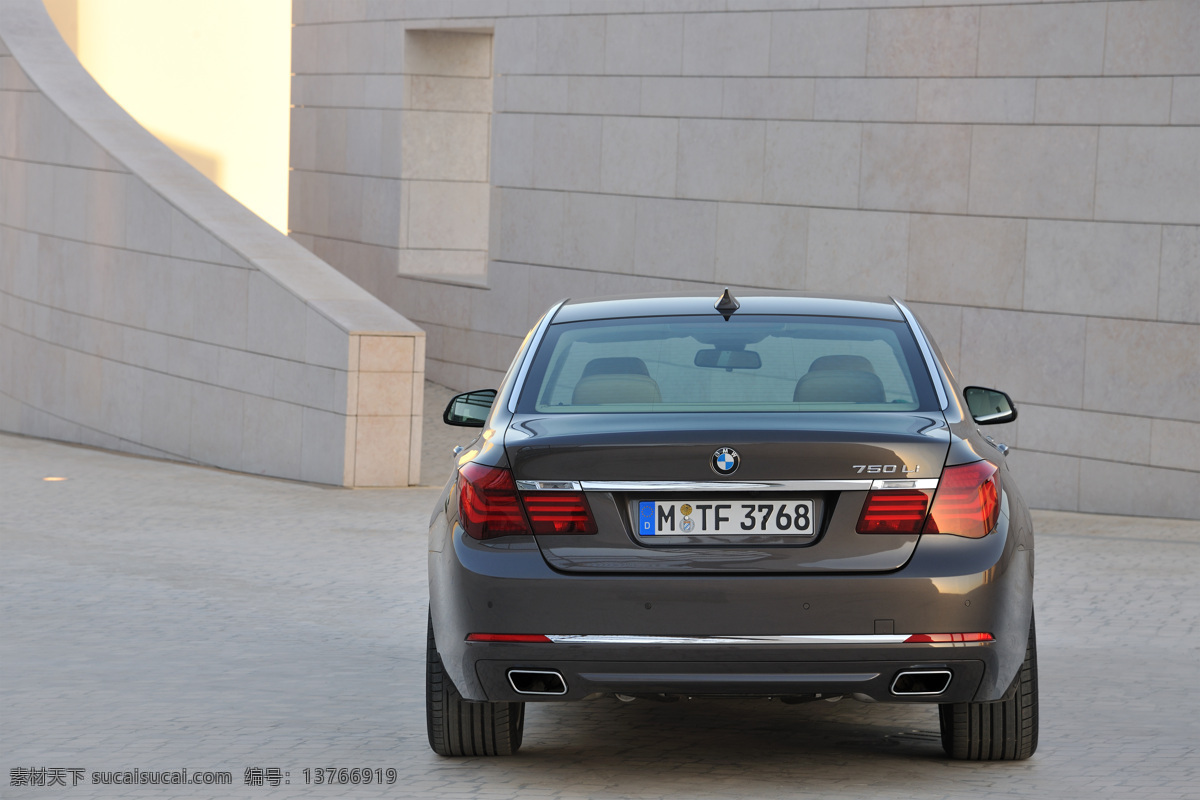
x: 726, y: 518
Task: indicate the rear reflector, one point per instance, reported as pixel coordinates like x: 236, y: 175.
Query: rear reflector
x: 488, y: 505
x: 967, y: 502
x: 938, y: 638
x: 507, y: 637
x: 893, y: 512
x: 559, y: 512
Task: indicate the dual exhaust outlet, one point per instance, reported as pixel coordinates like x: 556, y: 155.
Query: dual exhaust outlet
x: 537, y: 681
x: 921, y: 682
x: 907, y: 683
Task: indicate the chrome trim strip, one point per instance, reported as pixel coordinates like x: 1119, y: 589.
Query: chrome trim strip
x: 549, y: 486
x: 931, y: 364
x: 702, y: 681
x: 733, y: 486
x: 534, y: 341
x: 859, y: 638
x: 726, y: 486
x: 905, y: 483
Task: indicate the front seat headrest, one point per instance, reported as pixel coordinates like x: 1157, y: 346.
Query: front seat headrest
x: 615, y: 365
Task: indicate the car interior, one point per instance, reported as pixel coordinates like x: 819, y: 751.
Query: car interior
x: 839, y: 379
x: 830, y: 379
x: 618, y: 379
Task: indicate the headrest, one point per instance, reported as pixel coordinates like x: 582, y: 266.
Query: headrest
x: 616, y: 365
x: 618, y: 388
x: 856, y: 363
x: 839, y: 386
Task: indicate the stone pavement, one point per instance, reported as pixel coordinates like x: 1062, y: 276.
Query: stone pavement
x: 159, y: 616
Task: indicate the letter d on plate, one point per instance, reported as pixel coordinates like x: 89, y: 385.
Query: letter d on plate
x: 646, y: 517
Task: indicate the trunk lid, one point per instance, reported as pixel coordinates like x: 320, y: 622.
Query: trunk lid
x: 635, y: 468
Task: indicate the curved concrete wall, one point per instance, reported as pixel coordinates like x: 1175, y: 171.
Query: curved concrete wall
x: 144, y: 310
x: 1027, y: 175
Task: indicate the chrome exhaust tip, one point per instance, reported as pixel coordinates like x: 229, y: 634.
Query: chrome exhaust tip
x: 537, y: 681
x: 921, y: 682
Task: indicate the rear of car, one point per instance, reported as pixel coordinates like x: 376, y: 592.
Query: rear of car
x: 787, y: 499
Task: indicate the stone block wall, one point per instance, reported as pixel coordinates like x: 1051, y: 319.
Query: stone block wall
x: 1027, y: 175
x: 144, y: 310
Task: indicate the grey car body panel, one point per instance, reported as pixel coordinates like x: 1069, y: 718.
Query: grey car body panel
x: 943, y: 583
x: 774, y: 677
x: 514, y: 379
x: 583, y: 447
x: 950, y: 583
x: 810, y: 446
x: 612, y: 550
x: 931, y: 360
x: 667, y: 305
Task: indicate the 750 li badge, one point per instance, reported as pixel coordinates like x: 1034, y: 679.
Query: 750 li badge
x: 725, y: 461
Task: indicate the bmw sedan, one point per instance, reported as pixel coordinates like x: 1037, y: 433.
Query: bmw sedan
x: 772, y: 496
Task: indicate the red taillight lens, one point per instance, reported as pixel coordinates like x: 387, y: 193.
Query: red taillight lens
x: 507, y: 637
x: 488, y: 505
x: 893, y: 511
x: 938, y: 638
x: 559, y: 512
x: 967, y: 502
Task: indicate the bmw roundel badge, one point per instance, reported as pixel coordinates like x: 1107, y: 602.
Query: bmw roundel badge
x: 725, y: 461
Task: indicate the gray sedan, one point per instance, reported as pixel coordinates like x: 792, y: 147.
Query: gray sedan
x: 768, y: 496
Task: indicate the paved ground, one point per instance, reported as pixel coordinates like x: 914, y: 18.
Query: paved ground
x: 160, y: 617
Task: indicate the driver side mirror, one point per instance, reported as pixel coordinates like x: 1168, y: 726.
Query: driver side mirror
x: 989, y: 406
x: 470, y: 409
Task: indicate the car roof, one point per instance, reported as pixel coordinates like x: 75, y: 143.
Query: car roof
x: 752, y: 303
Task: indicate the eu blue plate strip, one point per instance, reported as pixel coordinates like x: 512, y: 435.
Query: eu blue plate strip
x: 646, y: 516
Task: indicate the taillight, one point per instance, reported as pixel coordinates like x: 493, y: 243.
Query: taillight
x: 942, y: 638
x: 559, y: 512
x: 967, y: 502
x: 893, y: 511
x: 488, y: 505
x: 508, y: 637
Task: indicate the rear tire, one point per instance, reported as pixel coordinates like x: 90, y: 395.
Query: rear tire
x: 459, y: 727
x: 1006, y: 730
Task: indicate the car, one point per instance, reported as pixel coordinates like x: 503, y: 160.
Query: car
x: 773, y: 496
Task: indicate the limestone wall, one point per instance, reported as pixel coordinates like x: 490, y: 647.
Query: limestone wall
x: 143, y: 310
x: 1027, y: 175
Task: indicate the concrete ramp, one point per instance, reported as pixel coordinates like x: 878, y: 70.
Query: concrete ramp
x: 142, y: 309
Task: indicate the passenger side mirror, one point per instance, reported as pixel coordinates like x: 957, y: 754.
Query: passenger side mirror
x: 989, y: 406
x: 470, y: 409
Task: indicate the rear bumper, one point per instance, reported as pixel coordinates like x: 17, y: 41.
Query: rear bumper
x: 951, y: 584
x: 867, y: 679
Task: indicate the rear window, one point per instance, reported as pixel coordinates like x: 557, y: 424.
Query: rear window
x: 748, y: 363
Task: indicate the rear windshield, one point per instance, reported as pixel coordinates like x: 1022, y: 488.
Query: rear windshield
x: 706, y: 364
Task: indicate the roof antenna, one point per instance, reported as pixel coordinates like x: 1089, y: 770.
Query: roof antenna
x: 727, y: 304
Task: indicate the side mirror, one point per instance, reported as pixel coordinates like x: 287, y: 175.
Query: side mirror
x: 469, y: 410
x: 989, y: 406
